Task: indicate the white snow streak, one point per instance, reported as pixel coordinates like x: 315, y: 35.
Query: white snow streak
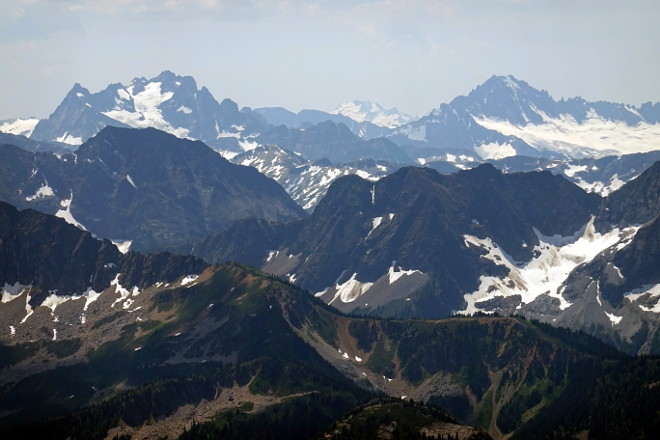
x: 130, y: 180
x: 65, y: 213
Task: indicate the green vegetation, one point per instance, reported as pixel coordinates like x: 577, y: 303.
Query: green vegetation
x: 303, y: 417
x: 239, y: 328
x: 365, y: 333
x: 389, y: 418
x: 381, y: 359
x: 63, y: 348
x: 13, y: 354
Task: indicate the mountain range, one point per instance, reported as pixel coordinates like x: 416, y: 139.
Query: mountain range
x: 307, y: 181
x: 418, y: 243
x: 172, y: 347
x: 142, y: 186
x: 500, y: 118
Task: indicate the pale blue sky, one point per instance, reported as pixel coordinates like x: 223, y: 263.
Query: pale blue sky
x: 317, y: 54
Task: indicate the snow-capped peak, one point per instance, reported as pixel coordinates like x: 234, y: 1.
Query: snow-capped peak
x: 361, y: 111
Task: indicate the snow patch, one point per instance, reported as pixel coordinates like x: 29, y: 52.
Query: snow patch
x: 65, y: 213
x: 271, y: 255
x: 351, y: 290
x: 395, y: 274
x: 574, y: 169
x: 375, y: 222
x: 69, y: 139
x: 123, y: 292
x: 20, y: 127
x: 123, y: 245
x: 651, y: 290
x: 184, y: 109
x: 495, y: 151
x: 545, y: 274
x: 189, y: 279
x: 43, y: 192
x: 53, y: 300
x: 613, y: 318
x: 13, y: 291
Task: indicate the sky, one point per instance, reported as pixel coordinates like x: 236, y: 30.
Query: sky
x: 409, y: 54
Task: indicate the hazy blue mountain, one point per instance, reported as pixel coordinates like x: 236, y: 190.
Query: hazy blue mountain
x: 361, y: 111
x: 305, y: 118
x: 505, y: 116
x: 332, y: 141
x: 168, y: 102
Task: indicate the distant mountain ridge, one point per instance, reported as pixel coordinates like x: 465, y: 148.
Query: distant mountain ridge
x: 500, y: 118
x: 308, y: 180
x: 361, y: 111
x: 277, y: 116
x: 142, y: 185
x: 505, y: 117
x: 333, y: 141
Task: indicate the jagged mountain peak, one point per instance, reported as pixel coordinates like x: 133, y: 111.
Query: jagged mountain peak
x: 168, y: 101
x: 77, y: 92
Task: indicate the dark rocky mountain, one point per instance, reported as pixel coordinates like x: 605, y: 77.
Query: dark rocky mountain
x: 417, y: 217
x: 637, y: 202
x: 335, y: 142
x: 168, y: 102
x: 506, y: 117
x: 142, y: 185
x: 277, y: 116
x: 228, y: 351
x: 55, y: 258
x: 417, y: 243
